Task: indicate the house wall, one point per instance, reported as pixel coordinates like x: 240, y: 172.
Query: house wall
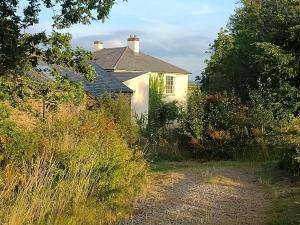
x: 140, y: 86
x: 140, y: 97
x: 180, y: 89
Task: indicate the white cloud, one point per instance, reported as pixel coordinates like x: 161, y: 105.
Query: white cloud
x: 174, y: 30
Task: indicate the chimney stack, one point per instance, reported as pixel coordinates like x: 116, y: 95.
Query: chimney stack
x: 134, y: 43
x: 98, y: 45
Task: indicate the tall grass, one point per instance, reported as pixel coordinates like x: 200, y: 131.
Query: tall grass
x: 82, y: 172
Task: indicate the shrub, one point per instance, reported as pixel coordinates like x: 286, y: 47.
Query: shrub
x: 291, y: 161
x: 220, y: 126
x: 16, y: 146
x: 83, y: 173
x: 160, y: 112
x: 117, y: 107
x: 192, y: 120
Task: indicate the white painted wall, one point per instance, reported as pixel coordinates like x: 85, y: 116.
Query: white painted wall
x: 180, y: 89
x: 140, y: 97
x: 140, y: 86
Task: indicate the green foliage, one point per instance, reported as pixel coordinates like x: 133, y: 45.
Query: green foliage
x: 291, y: 161
x: 52, y: 93
x: 15, y: 146
x: 257, y: 56
x: 192, y: 120
x: 259, y: 43
x: 220, y: 126
x: 261, y: 111
x: 22, y: 51
x: 160, y: 112
x: 156, y: 94
x: 79, y: 173
x: 118, y: 108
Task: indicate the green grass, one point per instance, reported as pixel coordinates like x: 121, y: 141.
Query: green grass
x: 174, y: 166
x: 284, y: 192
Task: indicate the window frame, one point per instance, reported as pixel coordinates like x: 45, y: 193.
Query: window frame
x: 170, y: 85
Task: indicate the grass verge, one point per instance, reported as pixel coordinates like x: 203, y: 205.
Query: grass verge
x: 284, y: 192
x: 175, y: 166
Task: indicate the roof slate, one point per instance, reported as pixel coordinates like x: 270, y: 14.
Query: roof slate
x: 107, y: 58
x: 125, y: 59
x: 124, y: 76
x: 104, y: 82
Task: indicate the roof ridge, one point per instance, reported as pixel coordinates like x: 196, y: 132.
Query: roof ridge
x: 161, y: 60
x: 115, y: 66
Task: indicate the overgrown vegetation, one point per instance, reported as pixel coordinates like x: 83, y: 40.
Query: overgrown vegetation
x: 246, y: 105
x: 68, y: 171
x: 157, y: 133
x: 59, y: 162
x: 284, y: 192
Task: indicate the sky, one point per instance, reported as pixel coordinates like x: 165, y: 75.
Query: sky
x: 177, y: 31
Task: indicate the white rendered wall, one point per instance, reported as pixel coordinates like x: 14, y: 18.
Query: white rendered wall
x: 180, y: 89
x: 140, y: 97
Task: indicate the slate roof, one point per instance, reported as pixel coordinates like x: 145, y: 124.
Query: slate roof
x: 124, y: 76
x: 125, y: 59
x: 104, y: 82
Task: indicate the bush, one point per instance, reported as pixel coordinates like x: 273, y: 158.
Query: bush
x: 16, y: 146
x: 220, y: 126
x: 83, y: 172
x: 169, y: 147
x: 291, y: 161
x: 160, y: 112
x: 117, y: 107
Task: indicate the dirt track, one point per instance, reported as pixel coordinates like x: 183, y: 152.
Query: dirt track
x: 186, y: 197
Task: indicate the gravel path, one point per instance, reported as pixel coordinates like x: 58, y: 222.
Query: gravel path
x: 185, y: 197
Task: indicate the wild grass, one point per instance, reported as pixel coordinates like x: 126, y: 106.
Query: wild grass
x: 222, y: 180
x: 82, y: 172
x: 284, y: 192
x: 175, y: 166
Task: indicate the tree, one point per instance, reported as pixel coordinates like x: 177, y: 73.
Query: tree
x: 21, y: 51
x: 261, y: 43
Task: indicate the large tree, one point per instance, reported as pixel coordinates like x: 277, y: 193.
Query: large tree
x: 261, y: 44
x: 21, y: 51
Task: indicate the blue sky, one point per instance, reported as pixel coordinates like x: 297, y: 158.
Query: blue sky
x: 177, y: 31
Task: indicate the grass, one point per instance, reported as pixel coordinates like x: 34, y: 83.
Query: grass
x: 222, y: 180
x: 175, y: 166
x: 78, y: 175
x: 284, y: 192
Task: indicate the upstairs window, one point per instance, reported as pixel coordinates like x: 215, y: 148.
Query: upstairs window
x: 169, y: 85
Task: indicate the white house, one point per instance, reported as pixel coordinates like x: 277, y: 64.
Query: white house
x: 133, y: 70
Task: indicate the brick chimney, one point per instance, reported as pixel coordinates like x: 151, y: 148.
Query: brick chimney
x: 134, y: 43
x: 98, y: 45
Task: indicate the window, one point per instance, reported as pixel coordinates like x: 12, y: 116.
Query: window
x: 169, y: 85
